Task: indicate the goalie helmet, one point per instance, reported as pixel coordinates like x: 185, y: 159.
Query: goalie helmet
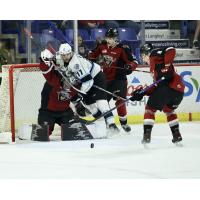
x: 65, y: 49
x: 146, y: 48
x: 46, y: 55
x: 112, y: 32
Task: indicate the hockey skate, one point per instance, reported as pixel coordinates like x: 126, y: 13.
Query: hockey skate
x: 176, y: 137
x: 113, y: 128
x: 126, y: 127
x: 146, y: 138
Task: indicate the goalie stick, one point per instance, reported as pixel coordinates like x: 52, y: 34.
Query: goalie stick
x: 143, y: 91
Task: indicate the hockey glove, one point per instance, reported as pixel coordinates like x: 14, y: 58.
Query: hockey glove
x: 137, y: 95
x: 64, y: 95
x: 76, y: 99
x: 78, y: 105
x: 127, y: 69
x: 80, y: 109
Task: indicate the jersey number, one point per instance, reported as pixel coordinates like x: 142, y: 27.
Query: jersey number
x: 79, y: 73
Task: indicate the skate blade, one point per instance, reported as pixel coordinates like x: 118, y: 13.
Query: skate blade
x: 179, y: 144
x: 146, y: 145
x: 127, y: 133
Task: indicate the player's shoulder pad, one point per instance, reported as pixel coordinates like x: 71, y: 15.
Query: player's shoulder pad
x: 169, y: 49
x: 124, y: 46
x: 169, y: 55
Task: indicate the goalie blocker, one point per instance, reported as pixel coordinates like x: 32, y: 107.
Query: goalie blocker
x: 74, y: 130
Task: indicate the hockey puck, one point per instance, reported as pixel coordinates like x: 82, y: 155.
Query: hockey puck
x: 92, y: 145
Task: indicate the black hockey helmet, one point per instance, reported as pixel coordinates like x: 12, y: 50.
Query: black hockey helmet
x: 112, y: 32
x: 146, y: 48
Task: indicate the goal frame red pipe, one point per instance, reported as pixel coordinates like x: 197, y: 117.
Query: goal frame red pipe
x: 11, y: 91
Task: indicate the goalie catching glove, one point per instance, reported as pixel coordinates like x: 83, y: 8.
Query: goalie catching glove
x: 137, y: 95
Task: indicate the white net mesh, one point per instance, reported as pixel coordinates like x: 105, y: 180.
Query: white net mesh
x: 27, y: 84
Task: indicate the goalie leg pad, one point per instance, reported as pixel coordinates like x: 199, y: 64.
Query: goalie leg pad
x: 75, y: 130
x: 40, y: 132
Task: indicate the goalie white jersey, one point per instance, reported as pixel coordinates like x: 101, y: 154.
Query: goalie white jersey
x: 82, y: 70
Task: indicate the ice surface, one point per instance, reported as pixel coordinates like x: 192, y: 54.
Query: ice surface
x: 118, y: 157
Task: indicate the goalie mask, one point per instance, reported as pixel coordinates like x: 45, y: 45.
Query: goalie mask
x: 46, y: 56
x: 111, y: 36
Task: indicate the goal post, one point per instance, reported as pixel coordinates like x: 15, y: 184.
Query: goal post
x: 20, y: 96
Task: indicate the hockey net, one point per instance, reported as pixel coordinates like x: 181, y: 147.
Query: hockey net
x: 20, y: 93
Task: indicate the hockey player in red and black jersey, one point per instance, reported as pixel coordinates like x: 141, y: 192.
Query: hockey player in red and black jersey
x: 55, y: 107
x: 167, y: 95
x: 117, y: 61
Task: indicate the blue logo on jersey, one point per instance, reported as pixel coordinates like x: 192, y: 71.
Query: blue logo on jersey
x: 135, y: 80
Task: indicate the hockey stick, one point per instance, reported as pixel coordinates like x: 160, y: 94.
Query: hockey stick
x: 108, y: 92
x: 143, y: 91
x: 137, y: 70
x: 68, y: 82
x: 28, y: 33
